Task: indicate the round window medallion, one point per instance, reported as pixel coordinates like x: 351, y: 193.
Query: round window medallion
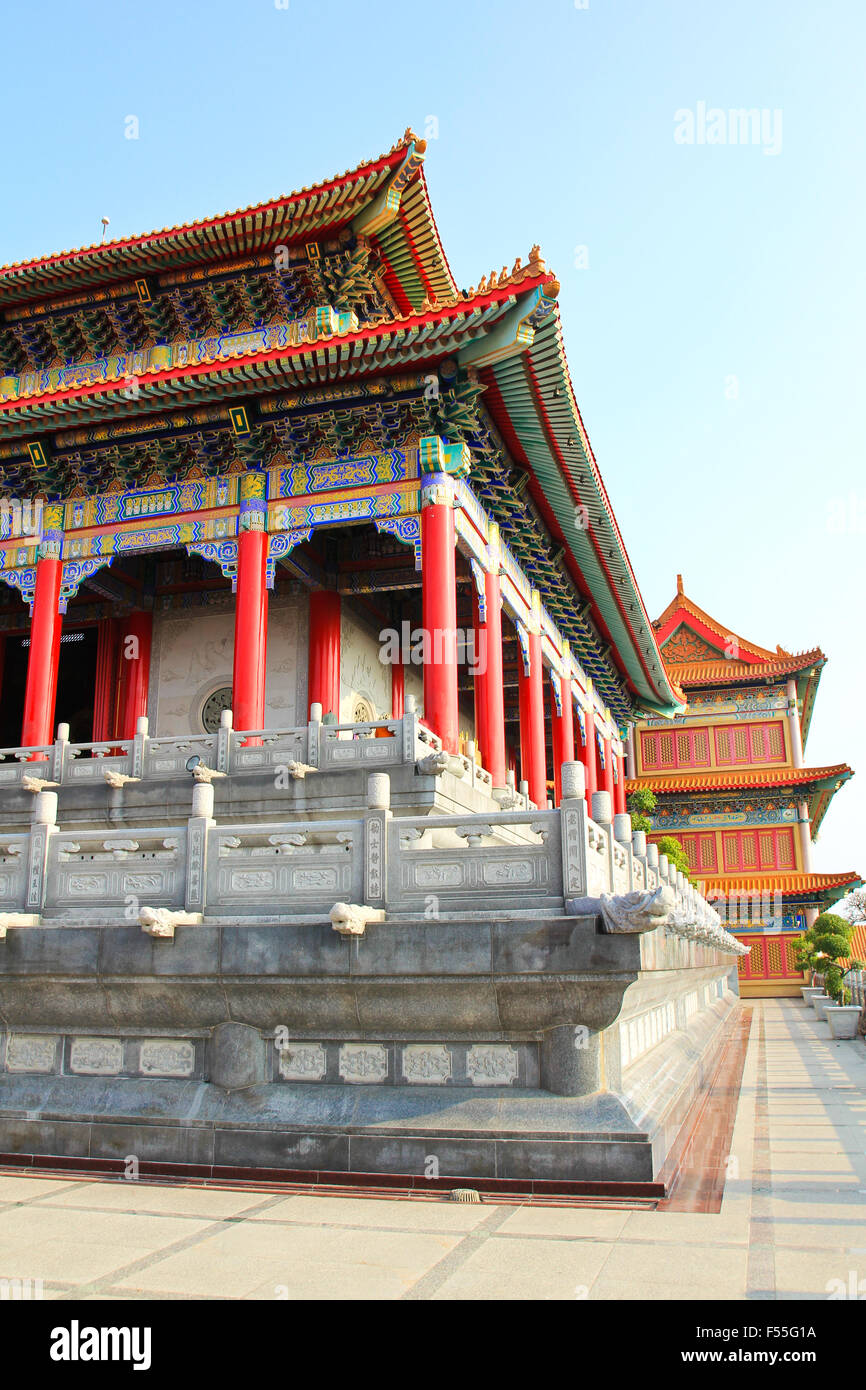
x: 213, y: 707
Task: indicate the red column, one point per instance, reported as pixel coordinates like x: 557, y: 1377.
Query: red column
x: 562, y: 729
x: 398, y: 690
x: 133, y: 672
x: 533, y: 762
x: 251, y: 632
x: 619, y: 787
x: 106, y: 687
x: 41, y: 689
x: 489, y: 684
x: 439, y: 605
x: 608, y: 769
x: 587, y: 754
x: 324, y: 659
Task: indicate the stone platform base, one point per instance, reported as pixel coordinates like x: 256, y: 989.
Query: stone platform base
x: 495, y: 1133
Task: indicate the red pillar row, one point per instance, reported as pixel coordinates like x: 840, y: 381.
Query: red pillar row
x: 562, y: 730
x: 607, y: 780
x: 533, y: 759
x: 489, y: 686
x: 135, y: 636
x: 619, y: 805
x: 40, y: 691
x: 588, y: 754
x: 439, y: 608
x: 398, y: 689
x: 251, y: 627
x: 105, y: 689
x: 324, y: 651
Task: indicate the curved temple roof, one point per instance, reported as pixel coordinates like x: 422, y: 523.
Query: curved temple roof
x: 506, y: 334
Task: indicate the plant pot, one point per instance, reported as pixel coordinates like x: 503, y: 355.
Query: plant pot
x: 808, y: 991
x: 843, y: 1020
x: 821, y: 1003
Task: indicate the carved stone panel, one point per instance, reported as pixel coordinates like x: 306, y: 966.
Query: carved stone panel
x: 167, y: 1057
x: 507, y: 871
x: 438, y: 875
x: 33, y: 1052
x: 491, y: 1064
x: 364, y: 1063
x: 426, y: 1064
x: 302, y: 1062
x: 96, y: 1056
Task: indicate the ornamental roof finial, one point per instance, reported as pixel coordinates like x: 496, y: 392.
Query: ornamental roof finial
x: 679, y: 584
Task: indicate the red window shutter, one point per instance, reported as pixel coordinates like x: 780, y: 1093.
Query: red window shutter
x: 741, y: 746
x: 775, y: 743
x: 690, y: 845
x: 708, y: 851
x: 649, y: 750
x: 758, y: 741
x: 701, y: 755
x: 723, y: 745
x: 684, y: 752
x: 768, y: 849
x: 666, y: 750
x: 729, y: 846
x: 749, y: 851
x: 785, y: 849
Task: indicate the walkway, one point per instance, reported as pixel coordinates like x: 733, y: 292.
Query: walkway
x: 792, y: 1221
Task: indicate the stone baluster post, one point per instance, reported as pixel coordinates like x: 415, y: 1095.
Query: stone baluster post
x: 410, y: 729
x: 58, y: 759
x: 314, y: 734
x: 572, y: 816
x: 43, y: 826
x: 376, y: 819
x: 224, y: 742
x: 199, y: 826
x: 652, y: 863
x: 622, y: 834
x: 139, y: 746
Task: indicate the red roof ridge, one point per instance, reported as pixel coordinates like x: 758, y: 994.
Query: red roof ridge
x: 506, y: 279
x: 409, y: 137
x: 738, y: 777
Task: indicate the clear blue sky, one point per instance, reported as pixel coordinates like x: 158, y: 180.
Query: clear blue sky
x: 716, y: 334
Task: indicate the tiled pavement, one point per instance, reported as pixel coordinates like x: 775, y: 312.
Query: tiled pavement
x: 793, y: 1218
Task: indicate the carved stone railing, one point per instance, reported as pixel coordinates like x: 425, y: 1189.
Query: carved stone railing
x: 18, y: 763
x: 314, y: 746
x: 515, y: 861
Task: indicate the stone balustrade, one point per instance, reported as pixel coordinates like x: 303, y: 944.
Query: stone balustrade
x: 510, y: 861
x: 313, y: 747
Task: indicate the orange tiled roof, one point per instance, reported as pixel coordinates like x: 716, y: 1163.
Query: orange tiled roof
x: 758, y: 662
x: 782, y: 883
x: 735, y: 779
x: 688, y: 673
x: 858, y: 945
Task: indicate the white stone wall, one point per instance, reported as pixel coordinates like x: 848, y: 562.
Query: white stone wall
x: 363, y: 677
x: 193, y: 654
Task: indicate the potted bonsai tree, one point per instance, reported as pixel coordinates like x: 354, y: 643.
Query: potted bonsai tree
x: 853, y: 909
x: 805, y: 958
x: 831, y: 941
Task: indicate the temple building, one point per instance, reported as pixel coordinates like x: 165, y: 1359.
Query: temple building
x: 732, y: 786
x: 320, y: 648
x: 241, y: 428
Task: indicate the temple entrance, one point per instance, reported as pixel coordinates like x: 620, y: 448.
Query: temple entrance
x: 76, y: 679
x: 76, y: 684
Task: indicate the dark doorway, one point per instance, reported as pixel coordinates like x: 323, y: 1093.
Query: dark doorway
x: 76, y: 683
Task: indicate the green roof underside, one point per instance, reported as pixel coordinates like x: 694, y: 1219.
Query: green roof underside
x: 560, y: 457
